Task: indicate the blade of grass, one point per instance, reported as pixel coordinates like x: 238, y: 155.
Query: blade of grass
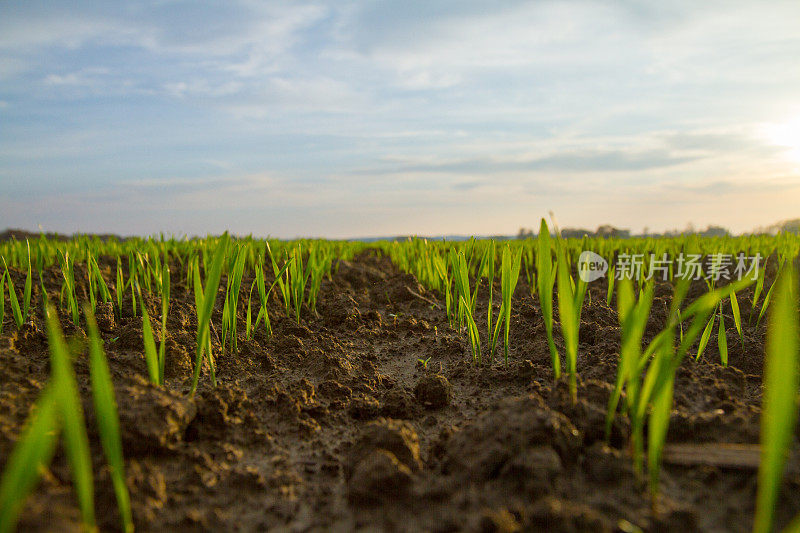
x: 76, y: 441
x: 737, y: 316
x: 706, y: 337
x: 204, y: 317
x: 33, y: 452
x: 722, y: 339
x: 105, y: 406
x: 568, y: 318
x: 2, y: 300
x: 509, y: 276
x: 165, y: 288
x: 545, y: 278
x: 16, y: 312
x: 26, y: 294
x: 779, y: 408
x: 150, y: 353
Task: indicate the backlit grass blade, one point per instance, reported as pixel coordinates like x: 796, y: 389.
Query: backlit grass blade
x: 150, y: 353
x: 74, y: 428
x: 209, y: 297
x: 281, y: 280
x: 102, y: 287
x: 90, y: 281
x: 440, y: 266
x: 298, y: 277
x: 119, y: 287
x: 758, y: 289
x: 45, y: 299
x: 657, y: 427
x: 26, y: 293
x: 569, y: 320
x: 779, y: 404
x: 16, y: 311
x: 722, y: 339
x: 2, y: 300
x: 633, y: 319
x: 68, y: 273
x: 545, y: 279
x: 767, y: 298
x: 490, y: 271
x: 472, y: 331
x: 509, y: 275
x: 461, y: 277
x: 737, y: 316
x: 132, y: 282
x: 105, y: 406
x: 165, y: 288
x: 232, y: 297
x: 32, y: 453
x: 262, y: 296
x: 705, y: 337
x: 249, y: 317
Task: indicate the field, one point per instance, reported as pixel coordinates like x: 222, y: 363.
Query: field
x: 250, y: 385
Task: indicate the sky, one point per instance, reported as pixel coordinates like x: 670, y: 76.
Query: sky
x: 359, y: 118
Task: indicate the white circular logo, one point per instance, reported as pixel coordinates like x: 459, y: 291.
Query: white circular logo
x: 591, y: 266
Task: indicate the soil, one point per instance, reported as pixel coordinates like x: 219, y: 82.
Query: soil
x: 371, y: 416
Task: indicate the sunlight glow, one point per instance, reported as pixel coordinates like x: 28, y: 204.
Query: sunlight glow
x: 787, y: 135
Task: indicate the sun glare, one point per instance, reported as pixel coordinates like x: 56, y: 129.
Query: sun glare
x: 787, y: 135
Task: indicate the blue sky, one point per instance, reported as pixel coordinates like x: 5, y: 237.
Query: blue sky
x: 362, y: 118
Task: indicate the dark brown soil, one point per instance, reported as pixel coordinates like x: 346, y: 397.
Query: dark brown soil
x: 372, y: 416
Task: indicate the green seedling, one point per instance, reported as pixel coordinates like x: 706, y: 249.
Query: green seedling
x: 779, y: 405
x: 33, y: 452
x: 570, y: 302
x: 2, y: 300
x: 206, y: 298
x: 105, y: 406
x: 150, y: 352
x: 73, y: 426
x: 545, y: 278
x: 509, y: 274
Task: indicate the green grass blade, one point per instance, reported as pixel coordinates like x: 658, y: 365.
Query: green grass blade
x: 779, y: 408
x: 16, y: 312
x: 657, y: 427
x: 610, y: 289
x: 510, y: 276
x: 567, y: 315
x: 150, y: 353
x: 119, y: 287
x: 26, y: 294
x: 204, y: 317
x: 69, y: 402
x: 764, y: 305
x: 737, y: 316
x: 2, y: 300
x: 33, y: 452
x: 165, y: 288
x: 633, y: 320
x: 545, y: 278
x: 705, y: 338
x: 249, y: 317
x: 105, y: 406
x: 722, y: 339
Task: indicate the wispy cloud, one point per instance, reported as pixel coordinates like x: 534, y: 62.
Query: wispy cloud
x: 328, y: 117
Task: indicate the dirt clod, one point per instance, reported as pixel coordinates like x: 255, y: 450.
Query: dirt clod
x: 434, y: 392
x: 377, y: 476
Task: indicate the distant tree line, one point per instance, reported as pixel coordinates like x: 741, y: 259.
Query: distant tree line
x: 609, y: 231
